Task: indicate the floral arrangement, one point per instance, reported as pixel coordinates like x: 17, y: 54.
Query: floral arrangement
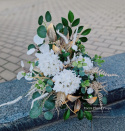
x: 63, y: 72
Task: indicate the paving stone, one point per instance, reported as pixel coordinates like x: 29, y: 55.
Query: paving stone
x: 105, y: 49
x: 1, y: 69
x: 2, y: 80
x: 6, y: 50
x: 15, y: 53
x: 17, y: 48
x: 117, y: 47
x: 7, y: 75
x: 11, y: 66
x: 2, y: 62
x: 4, y: 55
x: 113, y: 42
x: 13, y: 59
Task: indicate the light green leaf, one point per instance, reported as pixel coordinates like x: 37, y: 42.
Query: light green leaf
x: 66, y: 114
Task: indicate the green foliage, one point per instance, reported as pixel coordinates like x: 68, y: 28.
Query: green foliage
x: 35, y: 95
x: 40, y: 20
x: 48, y: 115
x: 83, y: 90
x: 40, y: 81
x: 41, y: 31
x: 76, y: 22
x: 65, y: 30
x: 63, y: 56
x: 104, y: 100
x: 98, y: 60
x: 48, y: 16
x: 64, y: 21
x: 37, y: 63
x: 88, y: 115
x: 36, y: 110
x: 59, y: 26
x: 49, y: 82
x: 80, y: 29
x: 83, y: 39
x: 49, y: 104
x: 66, y: 114
x: 86, y: 32
x: 49, y: 89
x: 70, y: 16
x: 81, y: 73
x: 70, y: 31
x: 96, y: 102
x: 80, y: 115
x: 85, y: 83
x: 31, y: 46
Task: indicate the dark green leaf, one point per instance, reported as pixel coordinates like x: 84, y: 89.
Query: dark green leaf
x: 36, y: 110
x: 49, y: 82
x: 81, y: 73
x: 65, y: 31
x: 59, y: 26
x: 40, y: 20
x: 63, y: 106
x: 48, y: 89
x: 80, y: 29
x: 31, y: 46
x: 86, y: 32
x: 66, y: 114
x: 49, y: 104
x: 80, y: 115
x: 70, y: 31
x: 48, y: 16
x: 83, y: 90
x: 88, y: 115
x: 104, y: 100
x: 48, y: 115
x: 64, y: 21
x: 41, y: 31
x: 70, y: 16
x: 35, y: 95
x: 83, y: 39
x: 37, y: 63
x: 76, y: 22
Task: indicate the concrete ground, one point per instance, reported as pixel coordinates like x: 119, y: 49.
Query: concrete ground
x: 18, y: 24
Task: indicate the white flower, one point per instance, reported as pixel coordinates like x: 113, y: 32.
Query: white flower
x: 91, y: 77
x: 31, y: 51
x: 67, y: 62
x: 67, y: 82
x: 63, y: 36
x: 49, y: 63
x: 38, y: 40
x: 19, y: 75
x: 44, y: 48
x: 28, y: 76
x: 89, y: 90
x: 31, y: 68
x: 89, y: 63
x: 22, y: 64
x: 75, y: 47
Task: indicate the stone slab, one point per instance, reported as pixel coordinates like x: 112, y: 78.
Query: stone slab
x: 17, y: 115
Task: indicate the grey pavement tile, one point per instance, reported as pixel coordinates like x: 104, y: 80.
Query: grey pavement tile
x: 13, y: 59
x: 11, y: 66
x: 2, y: 62
x: 4, y: 55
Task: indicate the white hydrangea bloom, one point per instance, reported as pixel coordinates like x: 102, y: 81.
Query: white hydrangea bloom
x: 75, y: 47
x: 67, y: 82
x: 31, y: 51
x: 89, y: 63
x: 91, y: 77
x: 49, y: 63
x: 19, y: 75
x: 89, y: 90
x: 38, y: 40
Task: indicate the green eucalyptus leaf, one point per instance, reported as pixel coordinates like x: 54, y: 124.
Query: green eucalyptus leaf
x: 76, y: 22
x: 65, y: 31
x: 59, y: 26
x: 40, y: 20
x: 70, y: 16
x: 35, y: 95
x: 80, y: 29
x: 48, y: 16
x: 81, y: 73
x: 66, y: 114
x: 31, y: 46
x: 88, y: 115
x: 80, y: 115
x: 86, y: 32
x: 104, y: 100
x: 37, y: 63
x: 49, y: 104
x: 64, y: 21
x: 83, y: 90
x: 49, y: 89
x: 48, y: 115
x: 83, y: 39
x: 36, y: 110
x: 74, y: 63
x: 49, y: 82
x: 41, y: 31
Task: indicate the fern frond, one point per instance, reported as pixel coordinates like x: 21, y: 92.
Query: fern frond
x: 99, y: 72
x: 100, y: 96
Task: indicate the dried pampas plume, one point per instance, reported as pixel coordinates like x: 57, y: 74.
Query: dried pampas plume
x: 60, y: 99
x: 100, y: 72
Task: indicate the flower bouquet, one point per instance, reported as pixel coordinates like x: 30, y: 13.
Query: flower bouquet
x: 63, y: 73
